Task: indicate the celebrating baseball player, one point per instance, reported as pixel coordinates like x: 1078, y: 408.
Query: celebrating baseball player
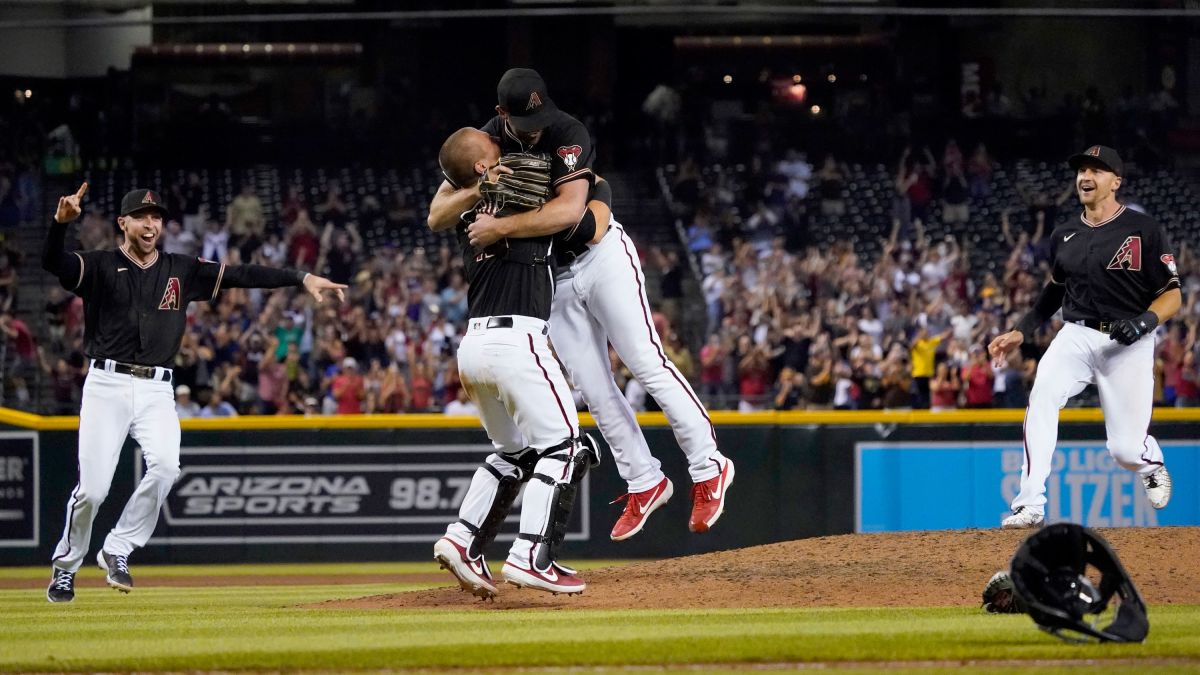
x: 1115, y: 279
x: 600, y: 298
x: 506, y: 365
x: 135, y: 300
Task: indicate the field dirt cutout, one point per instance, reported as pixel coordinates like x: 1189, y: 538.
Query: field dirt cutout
x: 907, y: 569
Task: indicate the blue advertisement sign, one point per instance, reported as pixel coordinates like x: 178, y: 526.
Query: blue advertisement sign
x: 942, y: 486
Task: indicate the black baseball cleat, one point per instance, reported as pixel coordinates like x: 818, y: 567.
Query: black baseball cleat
x: 62, y: 586
x: 117, y: 568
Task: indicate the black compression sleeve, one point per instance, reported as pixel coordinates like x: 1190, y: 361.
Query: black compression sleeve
x: 603, y: 193
x: 260, y: 276
x: 58, y: 262
x: 582, y: 233
x: 1047, y: 303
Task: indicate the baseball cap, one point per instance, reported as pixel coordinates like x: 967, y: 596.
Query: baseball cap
x: 349, y: 362
x: 1101, y: 154
x: 182, y: 389
x: 522, y: 92
x: 140, y: 200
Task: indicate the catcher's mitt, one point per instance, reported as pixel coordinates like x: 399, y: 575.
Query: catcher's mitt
x: 525, y: 189
x: 1000, y: 596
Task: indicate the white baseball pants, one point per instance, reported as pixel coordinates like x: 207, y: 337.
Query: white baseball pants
x: 601, y: 298
x: 115, y: 406
x: 1079, y: 356
x: 524, y: 402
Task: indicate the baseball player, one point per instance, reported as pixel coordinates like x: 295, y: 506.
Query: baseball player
x: 135, y: 300
x: 600, y: 298
x: 507, y: 367
x: 1115, y: 279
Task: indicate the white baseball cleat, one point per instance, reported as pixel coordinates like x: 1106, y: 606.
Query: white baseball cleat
x: 1022, y: 518
x: 555, y: 579
x: 1158, y: 487
x: 473, y: 575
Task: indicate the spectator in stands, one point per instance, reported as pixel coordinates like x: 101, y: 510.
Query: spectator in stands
x: 952, y: 158
x: 421, y: 391
x: 9, y: 260
x: 340, y: 253
x: 293, y: 204
x: 944, y: 388
x: 956, y: 207
x: 189, y: 199
x: 922, y: 354
x: 185, y: 407
x: 977, y: 378
x: 713, y: 357
x: 216, y: 242
x: 10, y: 213
x: 303, y: 243
x: 246, y: 221
x: 462, y: 405
x: 831, y: 182
x: 348, y: 389
x: 700, y: 233
x: 217, y: 406
x: 1009, y: 389
x: 401, y: 213
x: 1187, y: 392
x: 980, y: 170
x: 914, y: 187
x: 333, y: 209
x: 177, y: 239
x: 798, y: 172
x: 790, y: 390
x: 752, y: 375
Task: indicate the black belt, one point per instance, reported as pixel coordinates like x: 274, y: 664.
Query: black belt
x: 1095, y: 324
x: 140, y: 372
x: 507, y: 322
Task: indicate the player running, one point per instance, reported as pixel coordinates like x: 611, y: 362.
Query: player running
x: 135, y: 311
x: 1115, y: 279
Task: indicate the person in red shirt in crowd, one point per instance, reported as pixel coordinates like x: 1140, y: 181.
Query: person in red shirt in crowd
x: 303, y: 242
x: 712, y: 368
x: 944, y: 388
x: 977, y: 377
x: 20, y: 338
x: 348, y: 388
x: 421, y: 392
x: 753, y: 378
x: 1187, y: 393
x: 272, y: 380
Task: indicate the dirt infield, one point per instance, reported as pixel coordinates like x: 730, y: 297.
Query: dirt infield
x: 911, y: 569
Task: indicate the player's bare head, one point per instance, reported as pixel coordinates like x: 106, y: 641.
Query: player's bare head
x: 466, y: 155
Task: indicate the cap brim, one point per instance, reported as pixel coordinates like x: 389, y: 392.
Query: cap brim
x: 535, y: 122
x: 1075, y: 160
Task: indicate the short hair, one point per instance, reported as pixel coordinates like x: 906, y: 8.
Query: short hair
x: 460, y: 152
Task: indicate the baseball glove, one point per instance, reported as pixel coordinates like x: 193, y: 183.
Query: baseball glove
x: 1000, y: 595
x: 525, y: 189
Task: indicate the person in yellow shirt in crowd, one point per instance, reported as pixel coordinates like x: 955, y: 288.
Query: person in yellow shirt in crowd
x: 924, y: 347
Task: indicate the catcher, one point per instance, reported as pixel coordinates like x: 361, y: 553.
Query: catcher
x: 507, y: 367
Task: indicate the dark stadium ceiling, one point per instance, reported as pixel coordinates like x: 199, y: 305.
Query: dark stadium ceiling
x: 91, y: 13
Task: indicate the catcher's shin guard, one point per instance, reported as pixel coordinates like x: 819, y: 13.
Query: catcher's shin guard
x: 561, y: 470
x: 493, y: 489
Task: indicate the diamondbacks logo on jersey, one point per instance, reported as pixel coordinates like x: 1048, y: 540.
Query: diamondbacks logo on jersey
x: 170, y: 298
x: 1169, y: 261
x: 570, y: 155
x: 1129, y: 256
x: 535, y: 101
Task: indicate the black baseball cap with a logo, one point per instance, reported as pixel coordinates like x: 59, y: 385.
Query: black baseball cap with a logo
x: 141, y: 200
x: 522, y: 92
x: 1100, y: 154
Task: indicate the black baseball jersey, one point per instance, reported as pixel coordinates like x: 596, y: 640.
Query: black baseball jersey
x: 510, y: 277
x: 136, y: 313
x: 565, y: 140
x: 1112, y: 270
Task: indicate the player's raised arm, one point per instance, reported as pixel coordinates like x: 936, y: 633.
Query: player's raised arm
x: 68, y: 267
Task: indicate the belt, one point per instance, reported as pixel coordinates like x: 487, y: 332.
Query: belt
x: 140, y: 372
x: 1095, y: 324
x: 507, y: 322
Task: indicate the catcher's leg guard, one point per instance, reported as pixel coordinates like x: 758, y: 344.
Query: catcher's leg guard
x: 550, y: 497
x: 493, y: 489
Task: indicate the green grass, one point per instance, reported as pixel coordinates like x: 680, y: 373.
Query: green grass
x: 263, y: 628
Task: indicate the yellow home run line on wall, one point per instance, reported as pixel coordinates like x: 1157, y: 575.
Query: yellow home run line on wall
x: 26, y: 420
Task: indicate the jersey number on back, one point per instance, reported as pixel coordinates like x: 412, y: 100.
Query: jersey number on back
x: 1129, y: 256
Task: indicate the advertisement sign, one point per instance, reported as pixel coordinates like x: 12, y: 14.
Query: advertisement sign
x: 937, y: 486
x: 18, y: 489
x: 328, y: 494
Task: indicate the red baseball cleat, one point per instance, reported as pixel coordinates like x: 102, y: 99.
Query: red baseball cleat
x: 638, y: 507
x: 708, y: 499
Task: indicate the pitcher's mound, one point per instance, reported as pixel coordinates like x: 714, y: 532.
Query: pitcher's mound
x: 908, y: 569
